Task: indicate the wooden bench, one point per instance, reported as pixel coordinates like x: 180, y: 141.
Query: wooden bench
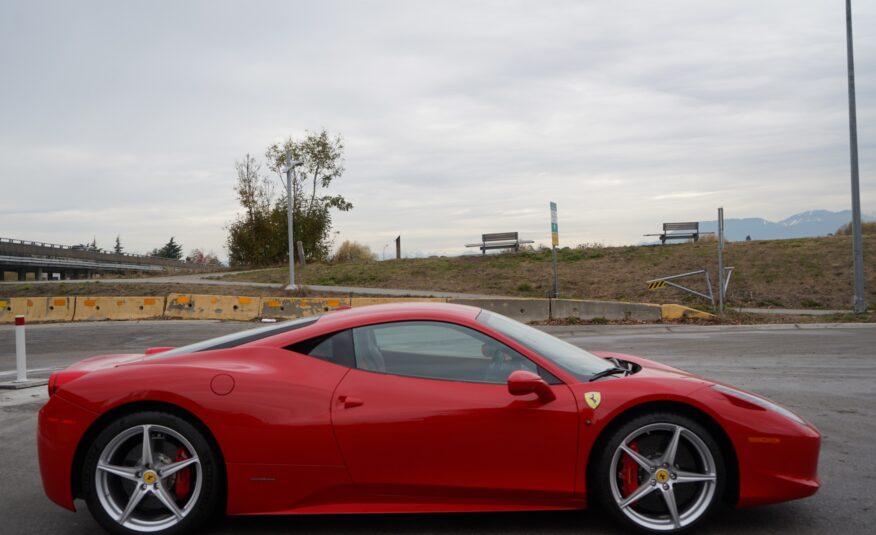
x: 679, y: 231
x: 499, y: 240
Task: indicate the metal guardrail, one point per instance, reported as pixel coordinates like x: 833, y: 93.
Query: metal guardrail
x: 74, y: 264
x: 70, y: 247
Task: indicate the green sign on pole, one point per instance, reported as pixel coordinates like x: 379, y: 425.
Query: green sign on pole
x: 555, y: 241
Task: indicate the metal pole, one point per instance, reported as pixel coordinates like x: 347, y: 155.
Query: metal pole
x: 708, y: 285
x: 289, y: 207
x: 20, y: 354
x: 720, y: 260
x: 555, y: 241
x: 857, y: 247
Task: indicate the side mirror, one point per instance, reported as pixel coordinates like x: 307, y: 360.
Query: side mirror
x: 522, y: 382
x: 154, y: 350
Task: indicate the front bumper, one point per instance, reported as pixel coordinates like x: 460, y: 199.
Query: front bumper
x: 777, y: 456
x: 779, y: 471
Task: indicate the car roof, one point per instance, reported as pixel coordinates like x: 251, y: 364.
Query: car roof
x: 400, y: 312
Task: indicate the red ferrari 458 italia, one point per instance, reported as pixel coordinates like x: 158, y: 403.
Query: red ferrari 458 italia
x: 409, y: 408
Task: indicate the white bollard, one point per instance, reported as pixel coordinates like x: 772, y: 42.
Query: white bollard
x: 20, y: 354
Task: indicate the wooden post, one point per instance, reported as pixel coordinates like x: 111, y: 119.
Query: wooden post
x: 300, y: 253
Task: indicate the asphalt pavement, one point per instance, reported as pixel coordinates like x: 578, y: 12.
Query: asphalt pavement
x: 827, y: 373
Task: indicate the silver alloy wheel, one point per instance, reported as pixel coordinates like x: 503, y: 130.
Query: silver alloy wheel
x: 659, y: 471
x: 137, y: 491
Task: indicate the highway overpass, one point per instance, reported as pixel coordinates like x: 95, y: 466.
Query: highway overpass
x: 50, y: 261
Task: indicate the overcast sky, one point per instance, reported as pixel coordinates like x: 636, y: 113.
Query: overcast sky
x: 459, y: 117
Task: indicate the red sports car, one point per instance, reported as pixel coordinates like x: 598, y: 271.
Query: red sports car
x: 408, y: 408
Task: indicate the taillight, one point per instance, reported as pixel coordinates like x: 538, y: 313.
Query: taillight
x: 59, y: 379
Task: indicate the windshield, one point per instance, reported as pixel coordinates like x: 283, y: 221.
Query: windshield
x: 580, y: 363
x: 243, y: 337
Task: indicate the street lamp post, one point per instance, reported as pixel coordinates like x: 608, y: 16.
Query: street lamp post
x: 857, y: 247
x: 290, y: 170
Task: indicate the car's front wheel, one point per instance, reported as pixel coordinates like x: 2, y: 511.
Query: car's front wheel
x: 151, y: 472
x: 660, y: 473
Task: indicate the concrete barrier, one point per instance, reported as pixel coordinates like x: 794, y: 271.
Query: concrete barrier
x: 212, y: 307
x: 678, y: 312
x: 32, y: 308
x: 36, y: 309
x: 60, y: 308
x: 118, y: 308
x: 610, y: 310
x: 298, y: 307
x: 365, y: 301
x: 519, y: 309
x: 223, y: 307
x: 11, y: 307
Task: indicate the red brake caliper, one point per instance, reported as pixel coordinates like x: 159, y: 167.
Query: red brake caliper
x: 629, y: 472
x: 184, y: 477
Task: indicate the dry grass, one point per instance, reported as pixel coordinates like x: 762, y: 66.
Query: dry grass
x: 800, y: 273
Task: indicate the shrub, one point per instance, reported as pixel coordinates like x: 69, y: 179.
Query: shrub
x: 867, y: 227
x: 810, y: 303
x: 353, y: 252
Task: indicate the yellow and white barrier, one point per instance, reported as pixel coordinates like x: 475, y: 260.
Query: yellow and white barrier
x: 118, y: 308
x: 244, y: 308
x: 298, y: 307
x: 212, y: 307
x: 678, y: 312
x: 36, y: 309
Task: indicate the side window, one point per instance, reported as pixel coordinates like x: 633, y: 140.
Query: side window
x: 336, y: 348
x: 436, y: 350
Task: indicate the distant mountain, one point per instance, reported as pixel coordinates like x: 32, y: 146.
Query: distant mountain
x: 802, y: 225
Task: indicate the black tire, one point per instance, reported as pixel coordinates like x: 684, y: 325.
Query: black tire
x: 698, y: 499
x: 202, y: 505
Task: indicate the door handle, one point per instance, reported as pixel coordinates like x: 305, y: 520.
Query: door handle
x: 350, y: 402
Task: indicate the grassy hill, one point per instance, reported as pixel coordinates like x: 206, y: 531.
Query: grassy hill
x: 799, y: 273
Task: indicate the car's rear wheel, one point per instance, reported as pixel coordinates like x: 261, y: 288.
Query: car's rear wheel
x: 660, y: 473
x: 151, y: 472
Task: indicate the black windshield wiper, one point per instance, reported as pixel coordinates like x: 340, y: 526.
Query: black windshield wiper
x: 607, y: 372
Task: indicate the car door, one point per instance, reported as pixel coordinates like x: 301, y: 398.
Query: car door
x: 427, y: 411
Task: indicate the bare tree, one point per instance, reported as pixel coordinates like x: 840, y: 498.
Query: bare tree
x: 255, y: 192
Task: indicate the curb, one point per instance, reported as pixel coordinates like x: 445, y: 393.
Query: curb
x: 30, y: 383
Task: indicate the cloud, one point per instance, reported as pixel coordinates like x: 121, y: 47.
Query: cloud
x: 684, y: 195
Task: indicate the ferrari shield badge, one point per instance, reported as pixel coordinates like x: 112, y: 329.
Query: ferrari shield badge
x: 593, y: 399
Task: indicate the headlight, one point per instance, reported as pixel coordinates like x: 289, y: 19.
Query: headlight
x: 760, y: 402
